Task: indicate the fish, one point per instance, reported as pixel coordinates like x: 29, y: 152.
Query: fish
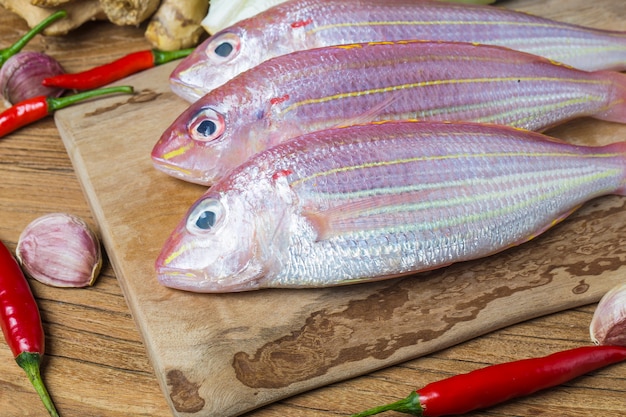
x: 381, y: 200
x: 224, y: 13
x: 331, y: 86
x: 304, y: 24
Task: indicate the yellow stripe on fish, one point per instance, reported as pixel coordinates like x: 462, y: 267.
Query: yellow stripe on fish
x: 430, y: 83
x: 450, y: 156
x: 451, y: 22
x: 559, y: 185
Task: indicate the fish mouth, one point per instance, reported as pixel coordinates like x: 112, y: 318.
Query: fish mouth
x: 186, y: 91
x: 188, y: 175
x: 198, y: 282
x: 177, y: 279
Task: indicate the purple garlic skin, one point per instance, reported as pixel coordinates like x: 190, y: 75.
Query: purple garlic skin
x: 22, y: 74
x: 608, y: 325
x: 60, y: 250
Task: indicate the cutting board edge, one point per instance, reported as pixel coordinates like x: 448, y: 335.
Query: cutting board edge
x: 107, y: 239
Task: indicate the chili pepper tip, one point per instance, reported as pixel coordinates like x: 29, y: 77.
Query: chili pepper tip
x: 29, y: 362
x: 408, y: 405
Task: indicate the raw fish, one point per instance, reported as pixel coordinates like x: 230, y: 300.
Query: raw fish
x: 340, y: 85
x: 375, y: 201
x: 305, y: 24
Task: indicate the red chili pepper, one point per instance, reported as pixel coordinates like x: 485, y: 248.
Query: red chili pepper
x: 498, y: 383
x: 17, y: 46
x: 21, y: 323
x: 33, y: 109
x: 116, y: 70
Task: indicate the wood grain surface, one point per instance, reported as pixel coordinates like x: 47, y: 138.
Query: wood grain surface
x: 287, y: 342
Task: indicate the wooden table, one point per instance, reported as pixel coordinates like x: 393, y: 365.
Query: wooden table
x: 96, y: 363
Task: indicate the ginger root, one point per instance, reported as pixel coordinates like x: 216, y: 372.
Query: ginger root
x: 129, y: 12
x: 78, y: 12
x: 176, y: 24
x: 173, y: 25
x: 49, y: 3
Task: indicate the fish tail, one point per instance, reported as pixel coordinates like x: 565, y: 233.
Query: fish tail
x: 616, y: 108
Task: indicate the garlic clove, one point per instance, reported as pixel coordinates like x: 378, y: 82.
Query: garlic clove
x: 60, y: 250
x: 22, y: 74
x: 608, y: 325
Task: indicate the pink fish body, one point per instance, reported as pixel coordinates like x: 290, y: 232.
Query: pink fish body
x: 304, y: 24
x: 339, y: 85
x: 375, y: 201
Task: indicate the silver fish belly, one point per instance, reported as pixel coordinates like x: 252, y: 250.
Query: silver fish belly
x: 375, y: 201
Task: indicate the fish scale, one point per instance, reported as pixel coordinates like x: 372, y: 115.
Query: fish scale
x: 416, y: 196
x: 349, y: 84
x: 305, y: 24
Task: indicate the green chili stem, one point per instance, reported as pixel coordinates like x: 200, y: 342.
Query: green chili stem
x: 162, y: 57
x: 17, y: 46
x: 408, y: 405
x: 56, y: 103
x: 30, y: 362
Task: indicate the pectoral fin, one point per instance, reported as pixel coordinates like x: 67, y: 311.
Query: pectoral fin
x: 372, y: 114
x: 366, y: 214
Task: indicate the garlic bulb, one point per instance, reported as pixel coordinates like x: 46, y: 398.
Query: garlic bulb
x: 22, y: 74
x: 61, y: 250
x: 608, y: 325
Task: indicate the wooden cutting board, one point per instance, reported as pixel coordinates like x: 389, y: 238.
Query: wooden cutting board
x: 222, y: 355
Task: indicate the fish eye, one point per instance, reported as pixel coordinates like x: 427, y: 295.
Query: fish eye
x: 204, y: 216
x: 207, y: 125
x: 206, y: 220
x: 224, y: 46
x: 224, y: 49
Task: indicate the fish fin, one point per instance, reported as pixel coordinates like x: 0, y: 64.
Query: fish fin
x: 616, y: 111
x: 320, y: 223
x: 370, y: 115
x: 371, y: 213
x: 345, y: 218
